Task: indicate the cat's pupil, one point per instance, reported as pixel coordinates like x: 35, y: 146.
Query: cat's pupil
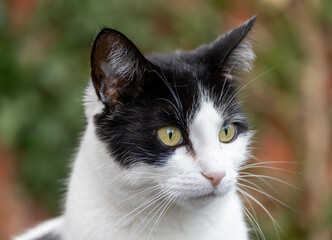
x: 170, y: 133
x: 226, y: 130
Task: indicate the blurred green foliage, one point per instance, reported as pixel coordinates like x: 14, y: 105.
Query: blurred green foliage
x: 44, y: 67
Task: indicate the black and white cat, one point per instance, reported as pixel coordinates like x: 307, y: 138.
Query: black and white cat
x: 164, y: 142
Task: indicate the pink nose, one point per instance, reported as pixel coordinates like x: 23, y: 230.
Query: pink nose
x: 215, y: 177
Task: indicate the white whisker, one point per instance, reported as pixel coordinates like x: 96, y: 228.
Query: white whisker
x: 267, y: 167
x: 160, y: 205
x: 275, y: 223
x: 267, y: 195
x: 162, y: 213
x: 245, y: 85
x: 145, y: 205
x: 254, y: 222
x: 261, y: 177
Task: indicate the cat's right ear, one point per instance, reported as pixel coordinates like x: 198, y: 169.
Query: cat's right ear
x: 116, y: 65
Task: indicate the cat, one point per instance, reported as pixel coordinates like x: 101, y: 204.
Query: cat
x: 164, y: 141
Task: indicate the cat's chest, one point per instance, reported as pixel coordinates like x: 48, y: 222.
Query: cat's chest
x: 222, y: 220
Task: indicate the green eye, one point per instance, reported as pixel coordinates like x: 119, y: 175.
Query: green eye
x: 170, y: 136
x: 227, y: 133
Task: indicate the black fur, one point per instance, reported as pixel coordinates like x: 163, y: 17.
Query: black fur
x: 167, y: 93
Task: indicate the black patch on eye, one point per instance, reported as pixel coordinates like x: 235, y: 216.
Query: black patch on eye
x: 130, y: 132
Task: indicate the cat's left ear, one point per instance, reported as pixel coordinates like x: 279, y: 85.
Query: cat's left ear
x: 117, y: 66
x: 231, y: 53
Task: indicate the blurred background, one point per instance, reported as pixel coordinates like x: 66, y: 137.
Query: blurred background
x: 44, y: 67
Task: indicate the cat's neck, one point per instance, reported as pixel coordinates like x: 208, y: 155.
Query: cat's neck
x: 95, y: 212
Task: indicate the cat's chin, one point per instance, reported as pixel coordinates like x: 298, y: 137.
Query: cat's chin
x: 202, y: 201
x: 206, y: 199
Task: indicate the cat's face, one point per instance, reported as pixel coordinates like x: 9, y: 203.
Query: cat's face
x: 172, y: 122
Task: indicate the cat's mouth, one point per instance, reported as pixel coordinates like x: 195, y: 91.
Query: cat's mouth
x: 205, y: 197
x: 203, y: 200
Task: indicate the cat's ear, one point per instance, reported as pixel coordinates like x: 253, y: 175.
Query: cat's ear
x: 231, y: 53
x: 116, y: 65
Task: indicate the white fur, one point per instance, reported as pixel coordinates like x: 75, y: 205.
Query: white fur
x: 120, y: 62
x: 53, y: 225
x: 241, y: 59
x: 102, y: 196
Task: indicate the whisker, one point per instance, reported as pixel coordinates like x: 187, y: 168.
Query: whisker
x: 249, y: 82
x: 145, y: 205
x: 271, y: 162
x: 178, y: 102
x: 275, y: 223
x: 268, y: 195
x: 267, y: 167
x: 146, y: 190
x: 160, y: 205
x: 254, y: 184
x: 163, y: 212
x: 250, y: 205
x: 241, y: 177
x: 254, y: 222
x: 250, y: 175
x: 227, y: 76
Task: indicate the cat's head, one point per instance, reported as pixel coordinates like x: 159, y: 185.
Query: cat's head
x: 170, y: 124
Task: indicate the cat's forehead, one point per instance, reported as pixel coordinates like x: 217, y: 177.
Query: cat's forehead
x: 184, y: 82
x: 179, y: 66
